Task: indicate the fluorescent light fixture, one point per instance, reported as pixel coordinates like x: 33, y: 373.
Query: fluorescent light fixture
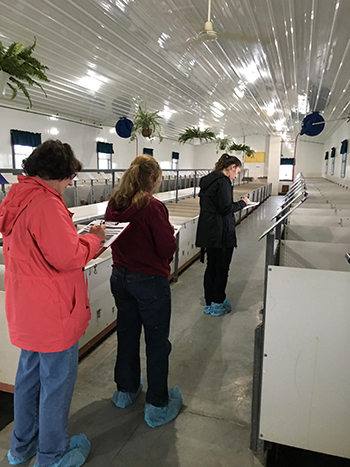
x: 112, y: 130
x: 162, y: 39
x: 279, y: 124
x: 166, y: 112
x: 239, y: 90
x: 270, y: 110
x: 217, y: 109
x: 303, y: 106
x: 54, y: 131
x: 53, y: 117
x: 121, y: 4
x: 92, y: 81
x: 250, y: 73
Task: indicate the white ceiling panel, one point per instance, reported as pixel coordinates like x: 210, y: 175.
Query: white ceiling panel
x: 272, y: 63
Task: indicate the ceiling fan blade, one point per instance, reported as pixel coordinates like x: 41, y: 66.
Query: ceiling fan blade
x: 241, y: 37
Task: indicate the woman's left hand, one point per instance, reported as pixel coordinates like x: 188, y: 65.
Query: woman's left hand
x: 246, y: 200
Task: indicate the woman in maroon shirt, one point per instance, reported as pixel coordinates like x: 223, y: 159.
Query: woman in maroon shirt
x: 140, y: 287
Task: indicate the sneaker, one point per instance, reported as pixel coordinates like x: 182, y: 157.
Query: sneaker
x: 123, y: 399
x: 219, y: 309
x: 76, y: 455
x: 20, y: 460
x: 207, y: 309
x: 156, y: 416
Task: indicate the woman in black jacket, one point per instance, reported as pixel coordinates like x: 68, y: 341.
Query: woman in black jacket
x: 216, y: 230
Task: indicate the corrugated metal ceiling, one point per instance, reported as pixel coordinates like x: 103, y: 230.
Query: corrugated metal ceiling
x: 273, y: 61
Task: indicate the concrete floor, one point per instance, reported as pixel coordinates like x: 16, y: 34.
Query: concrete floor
x: 212, y: 363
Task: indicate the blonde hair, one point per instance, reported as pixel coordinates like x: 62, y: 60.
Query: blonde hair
x: 137, y: 183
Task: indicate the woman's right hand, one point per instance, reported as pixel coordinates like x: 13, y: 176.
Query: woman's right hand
x: 100, y: 231
x: 246, y: 200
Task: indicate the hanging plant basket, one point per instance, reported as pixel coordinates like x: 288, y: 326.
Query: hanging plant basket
x: 146, y: 124
x: 241, y: 147
x: 146, y: 133
x: 22, y: 67
x: 196, y: 135
x: 4, y: 77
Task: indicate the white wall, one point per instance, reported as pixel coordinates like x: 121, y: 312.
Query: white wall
x: 258, y: 143
x: 335, y: 140
x: 309, y: 158
x: 83, y: 138
x: 205, y: 155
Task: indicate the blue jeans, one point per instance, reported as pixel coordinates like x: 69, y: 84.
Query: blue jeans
x: 142, y: 300
x: 43, y: 393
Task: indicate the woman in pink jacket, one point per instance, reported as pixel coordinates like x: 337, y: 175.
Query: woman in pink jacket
x: 46, y: 305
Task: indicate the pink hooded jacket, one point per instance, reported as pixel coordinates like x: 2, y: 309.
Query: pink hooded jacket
x: 46, y: 299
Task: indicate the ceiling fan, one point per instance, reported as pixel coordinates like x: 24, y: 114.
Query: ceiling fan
x: 209, y: 34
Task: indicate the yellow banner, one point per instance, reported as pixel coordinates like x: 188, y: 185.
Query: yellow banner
x: 256, y: 157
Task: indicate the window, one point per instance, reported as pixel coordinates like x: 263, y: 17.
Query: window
x: 343, y: 152
x: 104, y: 155
x: 332, y: 160
x: 326, y: 162
x: 175, y: 160
x: 23, y: 144
x: 104, y: 161
x: 148, y: 151
x: 286, y: 169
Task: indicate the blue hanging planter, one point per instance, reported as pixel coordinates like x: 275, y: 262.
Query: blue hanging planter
x: 308, y: 128
x: 123, y: 127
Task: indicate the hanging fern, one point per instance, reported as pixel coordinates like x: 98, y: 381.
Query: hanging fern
x: 21, y: 66
x: 222, y: 144
x: 196, y: 133
x: 146, y: 121
x: 241, y: 147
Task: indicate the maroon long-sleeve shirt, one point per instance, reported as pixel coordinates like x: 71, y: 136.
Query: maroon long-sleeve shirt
x: 148, y: 244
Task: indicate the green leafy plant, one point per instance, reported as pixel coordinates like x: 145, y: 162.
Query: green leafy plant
x: 19, y: 63
x: 147, y: 124
x: 222, y: 144
x: 241, y: 147
x: 195, y: 133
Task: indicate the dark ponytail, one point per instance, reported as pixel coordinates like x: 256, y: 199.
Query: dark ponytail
x: 226, y: 161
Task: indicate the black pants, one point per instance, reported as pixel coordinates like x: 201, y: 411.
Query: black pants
x: 142, y: 300
x: 216, y: 274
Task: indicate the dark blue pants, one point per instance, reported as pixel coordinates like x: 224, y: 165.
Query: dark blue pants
x: 142, y: 300
x: 216, y: 274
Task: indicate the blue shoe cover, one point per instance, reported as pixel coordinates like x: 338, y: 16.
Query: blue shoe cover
x: 77, y: 453
x: 156, y: 416
x: 123, y: 399
x: 207, y: 309
x: 227, y: 305
x: 20, y: 460
x: 218, y: 309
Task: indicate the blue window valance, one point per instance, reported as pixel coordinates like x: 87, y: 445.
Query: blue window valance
x: 326, y: 156
x: 175, y: 155
x: 333, y: 152
x: 106, y: 148
x: 344, y: 147
x: 148, y: 151
x: 25, y: 138
x: 287, y: 161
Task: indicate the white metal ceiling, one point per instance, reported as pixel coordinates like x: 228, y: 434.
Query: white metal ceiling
x: 273, y: 61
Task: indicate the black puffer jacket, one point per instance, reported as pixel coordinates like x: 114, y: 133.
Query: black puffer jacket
x: 216, y: 224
